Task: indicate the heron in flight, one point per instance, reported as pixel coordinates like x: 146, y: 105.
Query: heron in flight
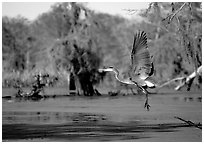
x: 141, y: 67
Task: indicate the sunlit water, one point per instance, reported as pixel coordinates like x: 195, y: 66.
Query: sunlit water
x: 102, y: 118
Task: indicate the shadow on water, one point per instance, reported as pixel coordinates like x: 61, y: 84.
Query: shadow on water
x: 60, y: 126
x: 31, y: 99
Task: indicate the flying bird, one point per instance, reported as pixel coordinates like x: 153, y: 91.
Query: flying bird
x: 141, y: 66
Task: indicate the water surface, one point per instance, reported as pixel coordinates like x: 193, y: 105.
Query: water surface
x: 102, y: 118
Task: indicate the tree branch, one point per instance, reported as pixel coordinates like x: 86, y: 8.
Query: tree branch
x: 131, y: 11
x: 184, y: 80
x: 171, y: 16
x: 189, y: 79
x: 190, y: 123
x: 170, y: 81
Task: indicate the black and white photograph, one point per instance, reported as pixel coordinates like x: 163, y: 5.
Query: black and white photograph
x: 101, y: 71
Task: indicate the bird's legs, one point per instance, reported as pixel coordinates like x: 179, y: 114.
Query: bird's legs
x: 146, y: 102
x: 146, y: 105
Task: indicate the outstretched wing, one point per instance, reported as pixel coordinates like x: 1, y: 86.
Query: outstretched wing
x: 140, y: 56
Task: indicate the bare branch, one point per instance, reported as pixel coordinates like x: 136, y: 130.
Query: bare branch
x: 131, y: 11
x: 171, y: 16
x: 190, y: 123
x: 189, y: 79
x: 170, y: 81
x: 183, y: 80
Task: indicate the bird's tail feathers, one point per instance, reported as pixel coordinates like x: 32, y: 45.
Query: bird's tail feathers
x: 151, y: 83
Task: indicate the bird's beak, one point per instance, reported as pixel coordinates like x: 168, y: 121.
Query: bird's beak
x: 101, y: 70
x: 104, y: 70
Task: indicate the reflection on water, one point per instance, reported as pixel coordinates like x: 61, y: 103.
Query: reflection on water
x: 73, y: 98
x: 104, y: 118
x: 188, y: 99
x: 50, y: 117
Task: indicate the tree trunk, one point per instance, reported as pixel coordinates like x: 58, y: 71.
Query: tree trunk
x: 78, y: 85
x: 86, y: 84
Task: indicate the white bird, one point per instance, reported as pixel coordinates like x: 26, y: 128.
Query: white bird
x: 141, y: 66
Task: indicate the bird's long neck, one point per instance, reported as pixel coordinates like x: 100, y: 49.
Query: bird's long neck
x: 116, y: 74
x: 120, y: 78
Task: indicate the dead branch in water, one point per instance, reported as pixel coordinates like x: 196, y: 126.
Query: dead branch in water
x: 189, y: 79
x: 170, y: 81
x: 190, y: 123
x: 184, y: 80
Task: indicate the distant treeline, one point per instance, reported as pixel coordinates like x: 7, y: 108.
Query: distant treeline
x: 73, y: 38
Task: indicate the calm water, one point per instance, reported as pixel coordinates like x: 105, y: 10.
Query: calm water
x: 103, y: 118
